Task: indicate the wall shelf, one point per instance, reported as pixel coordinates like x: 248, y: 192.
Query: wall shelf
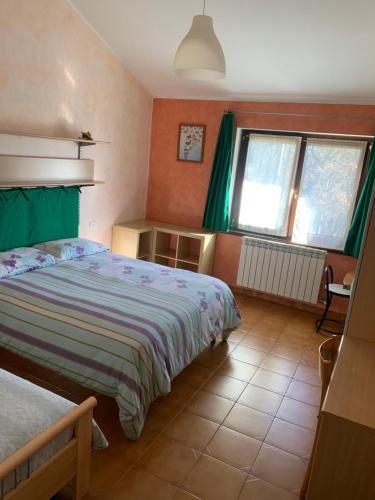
x: 29, y: 171
x: 27, y: 184
x: 85, y: 142
x: 80, y: 142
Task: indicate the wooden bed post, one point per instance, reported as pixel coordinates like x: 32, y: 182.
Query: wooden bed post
x: 83, y: 432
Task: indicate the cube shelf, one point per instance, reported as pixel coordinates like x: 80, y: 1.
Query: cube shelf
x: 174, y: 246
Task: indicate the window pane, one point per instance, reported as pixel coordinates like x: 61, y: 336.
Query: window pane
x: 267, y: 185
x: 329, y: 184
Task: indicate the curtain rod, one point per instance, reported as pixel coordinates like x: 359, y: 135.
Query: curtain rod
x: 305, y: 115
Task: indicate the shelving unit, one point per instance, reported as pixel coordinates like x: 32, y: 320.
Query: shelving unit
x: 14, y: 170
x: 173, y: 246
x: 80, y: 142
x: 36, y: 171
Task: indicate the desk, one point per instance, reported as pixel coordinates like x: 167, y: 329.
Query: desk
x: 343, y: 458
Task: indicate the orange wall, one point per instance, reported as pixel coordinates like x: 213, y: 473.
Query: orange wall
x: 177, y: 190
x: 58, y: 78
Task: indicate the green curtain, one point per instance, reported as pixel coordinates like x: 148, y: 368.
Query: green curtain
x: 13, y: 219
x: 354, y: 240
x: 30, y: 216
x: 216, y: 213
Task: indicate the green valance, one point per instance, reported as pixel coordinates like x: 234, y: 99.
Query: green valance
x: 30, y: 216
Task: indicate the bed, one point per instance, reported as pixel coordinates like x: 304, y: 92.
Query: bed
x: 45, y: 441
x: 120, y: 326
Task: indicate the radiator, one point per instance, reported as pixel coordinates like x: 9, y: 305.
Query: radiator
x: 281, y: 269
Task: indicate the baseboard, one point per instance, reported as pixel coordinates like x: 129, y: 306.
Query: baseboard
x: 302, y: 306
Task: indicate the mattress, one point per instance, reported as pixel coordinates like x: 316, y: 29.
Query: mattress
x: 120, y: 326
x: 26, y: 410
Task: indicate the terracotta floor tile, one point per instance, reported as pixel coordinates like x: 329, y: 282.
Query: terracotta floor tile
x: 237, y: 369
x: 307, y: 374
x: 298, y: 413
x: 256, y: 342
x: 310, y: 357
x: 261, y: 399
x: 265, y: 331
x: 247, y: 355
x: 160, y: 414
x: 212, y: 479
x: 247, y: 421
x: 280, y: 365
x: 227, y: 387
x: 287, y: 351
x: 270, y: 380
x: 257, y: 489
x: 234, y: 448
x: 210, y: 406
x: 316, y: 340
x: 184, y: 495
x: 298, y: 341
x: 214, y: 355
x: 291, y: 438
x: 169, y: 460
x: 180, y: 393
x: 306, y: 393
x: 108, y: 466
x: 195, y: 374
x: 192, y: 430
x: 139, y: 484
x: 237, y: 336
x: 280, y: 468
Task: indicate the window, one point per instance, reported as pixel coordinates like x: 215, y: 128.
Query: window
x: 298, y: 187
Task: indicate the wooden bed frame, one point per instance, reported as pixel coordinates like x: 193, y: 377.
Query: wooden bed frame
x: 71, y: 463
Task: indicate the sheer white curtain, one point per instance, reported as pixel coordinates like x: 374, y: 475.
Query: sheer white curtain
x: 327, y: 195
x: 270, y: 171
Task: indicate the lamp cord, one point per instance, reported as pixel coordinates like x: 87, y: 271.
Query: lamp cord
x: 204, y: 6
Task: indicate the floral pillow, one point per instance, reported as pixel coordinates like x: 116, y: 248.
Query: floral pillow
x: 71, y: 248
x: 20, y: 260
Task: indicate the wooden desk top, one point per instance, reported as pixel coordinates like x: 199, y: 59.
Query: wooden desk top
x: 351, y: 392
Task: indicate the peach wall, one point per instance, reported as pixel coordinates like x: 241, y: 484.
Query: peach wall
x: 177, y: 190
x: 58, y: 78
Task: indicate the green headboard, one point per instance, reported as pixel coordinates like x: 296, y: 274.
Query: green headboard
x: 30, y: 216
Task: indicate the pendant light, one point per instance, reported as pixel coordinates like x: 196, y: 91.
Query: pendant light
x: 199, y: 55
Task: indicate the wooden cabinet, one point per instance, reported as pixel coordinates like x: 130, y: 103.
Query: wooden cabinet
x: 342, y: 463
x: 166, y: 244
x: 342, y: 466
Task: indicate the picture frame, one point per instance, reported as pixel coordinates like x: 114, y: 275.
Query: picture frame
x: 191, y: 139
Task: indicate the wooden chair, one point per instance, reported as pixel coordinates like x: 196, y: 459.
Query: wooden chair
x: 328, y: 352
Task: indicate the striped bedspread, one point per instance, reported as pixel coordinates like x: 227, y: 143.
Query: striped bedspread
x: 120, y: 326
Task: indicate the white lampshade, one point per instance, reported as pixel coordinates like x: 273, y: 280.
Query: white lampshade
x: 200, y: 56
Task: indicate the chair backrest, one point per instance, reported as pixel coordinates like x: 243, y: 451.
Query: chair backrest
x: 328, y: 275
x: 328, y: 279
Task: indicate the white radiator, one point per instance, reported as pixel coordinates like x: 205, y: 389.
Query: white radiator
x: 281, y: 269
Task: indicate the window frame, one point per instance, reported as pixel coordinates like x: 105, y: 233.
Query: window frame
x: 239, y: 166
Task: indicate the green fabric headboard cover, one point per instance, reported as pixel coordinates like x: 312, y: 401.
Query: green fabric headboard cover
x: 30, y: 216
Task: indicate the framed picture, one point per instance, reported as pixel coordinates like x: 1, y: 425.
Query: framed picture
x: 191, y: 142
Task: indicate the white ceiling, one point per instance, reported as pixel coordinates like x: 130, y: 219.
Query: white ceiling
x: 289, y: 50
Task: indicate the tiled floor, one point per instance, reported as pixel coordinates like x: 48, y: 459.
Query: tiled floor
x: 238, y: 424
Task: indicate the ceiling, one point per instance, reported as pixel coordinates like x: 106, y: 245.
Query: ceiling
x: 290, y: 50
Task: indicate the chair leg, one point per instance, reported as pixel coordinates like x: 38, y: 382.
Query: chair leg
x: 319, y: 322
